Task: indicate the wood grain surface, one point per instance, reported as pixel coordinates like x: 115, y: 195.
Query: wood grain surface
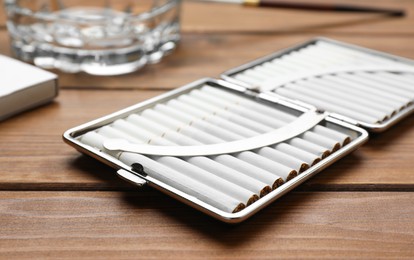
x: 56, y: 203
x: 147, y: 225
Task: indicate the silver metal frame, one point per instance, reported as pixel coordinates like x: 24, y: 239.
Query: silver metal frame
x: 139, y: 178
x: 380, y: 127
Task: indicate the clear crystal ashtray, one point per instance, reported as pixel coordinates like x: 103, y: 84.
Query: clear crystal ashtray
x: 96, y: 37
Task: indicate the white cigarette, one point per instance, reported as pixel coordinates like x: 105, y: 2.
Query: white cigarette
x: 130, y: 129
x: 171, y: 177
x: 298, y: 62
x: 271, y: 70
x: 245, y: 181
x: 250, y: 170
x: 264, y: 74
x: 161, y: 128
x: 281, y: 64
x: 255, y: 106
x: 193, y: 113
x: 383, y: 96
x: 110, y: 132
x: 397, y: 86
x: 197, y: 160
x: 343, y: 52
x: 407, y: 75
x: 96, y: 141
x: 141, y: 124
x: 181, y: 116
x: 271, y: 166
x: 369, y: 83
x: 149, y: 137
x: 271, y: 66
x: 332, y: 145
x: 250, y: 80
x: 160, y: 134
x: 307, y: 157
x: 211, y: 180
x: 239, y: 193
x: 358, y: 55
x: 209, y: 165
x: 179, y: 181
x: 318, y: 63
x: 310, y: 147
x: 352, y: 88
x: 323, y: 86
x: 326, y: 105
x: 284, y: 159
x: 321, y: 58
x: 272, y: 122
x: 192, y: 130
x: 233, y: 117
x: 176, y: 113
x: 327, y: 57
x: 265, y: 71
x: 358, y: 108
x: 255, y: 75
x: 332, y: 134
x: 402, y: 81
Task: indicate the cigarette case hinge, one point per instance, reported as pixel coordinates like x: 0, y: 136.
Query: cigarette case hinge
x: 344, y: 119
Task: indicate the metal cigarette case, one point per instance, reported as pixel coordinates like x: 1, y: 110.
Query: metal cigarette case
x: 258, y: 89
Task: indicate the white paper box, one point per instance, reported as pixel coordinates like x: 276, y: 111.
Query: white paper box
x: 23, y: 86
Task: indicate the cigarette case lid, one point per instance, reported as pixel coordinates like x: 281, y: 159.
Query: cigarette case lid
x: 325, y: 73
x: 23, y: 86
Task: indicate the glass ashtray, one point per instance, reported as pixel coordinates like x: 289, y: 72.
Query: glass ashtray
x: 98, y: 37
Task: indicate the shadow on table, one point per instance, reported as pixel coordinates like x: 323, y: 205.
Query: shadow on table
x: 275, y: 217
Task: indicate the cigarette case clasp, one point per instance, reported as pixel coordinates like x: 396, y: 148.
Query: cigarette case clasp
x: 131, y: 177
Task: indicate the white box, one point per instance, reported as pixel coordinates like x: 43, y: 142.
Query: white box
x: 23, y: 86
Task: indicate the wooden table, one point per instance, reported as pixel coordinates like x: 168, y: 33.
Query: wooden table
x: 56, y: 203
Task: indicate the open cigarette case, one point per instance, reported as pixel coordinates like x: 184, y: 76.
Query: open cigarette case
x: 231, y: 147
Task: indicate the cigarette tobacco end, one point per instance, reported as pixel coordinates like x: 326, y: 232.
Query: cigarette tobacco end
x: 279, y: 182
x: 252, y: 199
x: 266, y: 190
x: 291, y: 175
x: 325, y: 154
x: 316, y: 161
x: 239, y: 208
x: 303, y: 167
x: 346, y: 141
x: 336, y: 147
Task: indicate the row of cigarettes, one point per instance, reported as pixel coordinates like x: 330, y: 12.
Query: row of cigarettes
x: 209, y: 115
x: 371, y: 97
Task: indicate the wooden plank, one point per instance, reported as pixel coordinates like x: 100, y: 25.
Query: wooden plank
x: 149, y: 225
x: 197, y: 17
x: 33, y: 155
x: 208, y: 55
